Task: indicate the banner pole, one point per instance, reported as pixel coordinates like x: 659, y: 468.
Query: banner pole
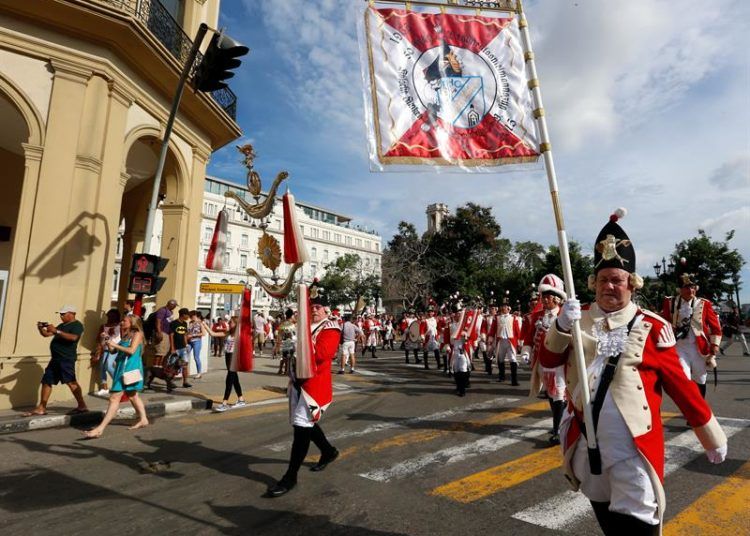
x: 546, y: 150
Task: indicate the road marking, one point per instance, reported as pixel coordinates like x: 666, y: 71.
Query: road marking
x: 421, y: 436
x: 568, y: 508
x: 493, y: 480
x: 405, y: 423
x: 459, y: 453
x: 723, y: 510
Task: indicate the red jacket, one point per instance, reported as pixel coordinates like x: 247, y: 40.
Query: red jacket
x: 318, y: 390
x: 648, y: 363
x: 704, y: 322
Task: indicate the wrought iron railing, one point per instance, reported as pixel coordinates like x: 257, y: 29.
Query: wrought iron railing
x: 168, y: 31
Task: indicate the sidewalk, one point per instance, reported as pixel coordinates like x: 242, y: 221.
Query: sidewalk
x: 262, y: 385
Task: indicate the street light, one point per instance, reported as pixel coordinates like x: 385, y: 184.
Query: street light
x: 663, y: 271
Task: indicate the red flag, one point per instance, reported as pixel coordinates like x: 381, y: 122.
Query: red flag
x: 305, y: 361
x: 242, y: 358
x: 215, y: 257
x: 294, y: 243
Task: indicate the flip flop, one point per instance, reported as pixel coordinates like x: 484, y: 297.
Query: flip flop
x: 77, y: 411
x: 33, y: 414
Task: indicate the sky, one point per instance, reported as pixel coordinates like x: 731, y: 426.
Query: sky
x: 647, y: 102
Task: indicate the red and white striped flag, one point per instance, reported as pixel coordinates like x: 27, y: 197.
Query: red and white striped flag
x: 305, y: 359
x: 215, y: 257
x: 294, y: 243
x: 242, y: 358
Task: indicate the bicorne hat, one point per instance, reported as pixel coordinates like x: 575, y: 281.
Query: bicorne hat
x: 613, y: 246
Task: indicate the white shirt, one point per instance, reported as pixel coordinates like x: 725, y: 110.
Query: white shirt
x: 350, y: 331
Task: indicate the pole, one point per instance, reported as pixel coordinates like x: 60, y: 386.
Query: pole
x: 562, y: 239
x: 202, y: 29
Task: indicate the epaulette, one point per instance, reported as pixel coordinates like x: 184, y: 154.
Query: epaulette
x: 662, y: 330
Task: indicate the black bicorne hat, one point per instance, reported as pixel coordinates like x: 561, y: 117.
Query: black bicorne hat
x: 613, y: 246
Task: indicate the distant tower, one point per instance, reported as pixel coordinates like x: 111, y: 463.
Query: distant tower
x: 436, y: 213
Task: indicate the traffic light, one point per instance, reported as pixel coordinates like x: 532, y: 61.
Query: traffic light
x: 217, y: 63
x: 144, y: 274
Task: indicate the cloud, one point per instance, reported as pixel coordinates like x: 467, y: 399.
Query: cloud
x: 732, y: 175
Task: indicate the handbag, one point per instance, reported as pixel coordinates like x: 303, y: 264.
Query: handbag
x: 131, y: 377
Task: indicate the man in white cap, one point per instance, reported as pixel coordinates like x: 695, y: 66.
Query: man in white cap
x: 62, y: 366
x: 630, y: 357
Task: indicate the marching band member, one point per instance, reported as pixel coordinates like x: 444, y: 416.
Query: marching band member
x: 310, y: 388
x: 507, y: 334
x: 428, y: 331
x: 412, y: 338
x: 630, y: 356
x: 697, y: 330
x: 551, y: 379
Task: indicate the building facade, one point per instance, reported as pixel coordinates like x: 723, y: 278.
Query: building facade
x: 85, y: 92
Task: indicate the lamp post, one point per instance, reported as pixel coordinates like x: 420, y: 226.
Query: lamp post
x: 663, y: 271
x: 736, y: 281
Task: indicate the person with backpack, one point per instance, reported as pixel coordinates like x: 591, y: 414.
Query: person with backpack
x: 160, y: 338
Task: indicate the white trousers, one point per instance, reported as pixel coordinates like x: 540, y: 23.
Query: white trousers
x: 625, y: 485
x: 505, y: 351
x: 693, y: 363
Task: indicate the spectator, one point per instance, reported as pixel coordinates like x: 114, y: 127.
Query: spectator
x: 259, y: 335
x: 232, y: 379
x: 732, y: 330
x: 163, y: 318
x: 196, y: 331
x: 64, y: 352
x: 219, y: 326
x: 109, y: 331
x: 128, y: 361
x: 178, y: 343
x: 287, y: 341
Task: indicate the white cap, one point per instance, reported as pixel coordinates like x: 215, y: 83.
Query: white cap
x: 67, y: 309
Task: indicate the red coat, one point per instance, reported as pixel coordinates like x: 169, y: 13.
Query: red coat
x: 532, y: 340
x: 648, y: 363
x: 513, y: 325
x: 318, y: 390
x: 704, y: 322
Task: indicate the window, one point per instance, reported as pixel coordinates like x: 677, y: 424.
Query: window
x: 302, y: 229
x: 229, y: 238
x: 367, y: 244
x: 244, y: 241
x: 207, y: 234
x: 359, y: 242
x: 243, y: 261
x: 326, y: 235
x: 314, y: 253
x: 325, y: 255
x: 337, y: 254
x: 313, y: 269
x: 377, y: 246
x: 367, y: 262
x: 348, y: 240
x: 204, y: 254
x: 314, y: 232
x: 227, y: 258
x: 337, y: 237
x: 115, y: 281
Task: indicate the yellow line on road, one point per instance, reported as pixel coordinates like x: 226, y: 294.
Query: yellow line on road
x: 485, y: 483
x: 501, y: 477
x: 723, y: 510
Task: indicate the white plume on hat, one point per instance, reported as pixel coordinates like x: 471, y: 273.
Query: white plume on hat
x: 552, y: 283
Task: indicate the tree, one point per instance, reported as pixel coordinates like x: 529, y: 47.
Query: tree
x: 407, y: 276
x: 582, y: 266
x: 346, y: 280
x: 713, y: 263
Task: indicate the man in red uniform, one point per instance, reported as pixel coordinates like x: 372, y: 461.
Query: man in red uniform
x: 630, y: 356
x: 697, y: 330
x: 309, y: 397
x: 507, y: 334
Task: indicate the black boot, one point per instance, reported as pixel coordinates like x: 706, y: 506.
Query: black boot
x: 558, y: 406
x: 426, y: 364
x: 514, y: 374
x: 372, y: 351
x: 300, y: 446
x: 702, y: 389
x: 501, y: 371
x: 407, y: 357
x: 437, y: 358
x: 487, y: 365
x: 416, y: 357
x: 625, y: 525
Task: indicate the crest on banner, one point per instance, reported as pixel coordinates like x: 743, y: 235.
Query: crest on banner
x: 446, y: 89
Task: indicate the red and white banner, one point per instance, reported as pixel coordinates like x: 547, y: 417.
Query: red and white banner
x: 305, y: 358
x: 218, y: 248
x: 447, y: 89
x: 242, y: 358
x: 294, y: 243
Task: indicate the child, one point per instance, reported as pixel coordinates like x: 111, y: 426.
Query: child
x: 461, y: 371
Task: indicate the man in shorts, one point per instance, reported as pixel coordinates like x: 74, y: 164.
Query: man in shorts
x: 350, y: 333
x: 161, y: 339
x: 178, y: 343
x: 62, y: 366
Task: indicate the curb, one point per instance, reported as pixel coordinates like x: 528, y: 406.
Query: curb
x: 156, y: 409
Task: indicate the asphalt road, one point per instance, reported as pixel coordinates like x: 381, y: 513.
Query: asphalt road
x: 416, y: 459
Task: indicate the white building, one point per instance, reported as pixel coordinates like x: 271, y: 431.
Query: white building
x: 328, y: 236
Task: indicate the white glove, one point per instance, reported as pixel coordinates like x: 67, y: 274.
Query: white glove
x: 717, y: 455
x: 526, y: 358
x: 571, y: 311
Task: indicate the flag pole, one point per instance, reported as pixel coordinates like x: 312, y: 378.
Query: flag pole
x: 546, y: 150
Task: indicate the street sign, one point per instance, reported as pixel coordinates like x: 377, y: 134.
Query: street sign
x: 221, y: 288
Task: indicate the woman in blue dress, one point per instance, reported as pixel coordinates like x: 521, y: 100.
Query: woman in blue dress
x: 128, y: 360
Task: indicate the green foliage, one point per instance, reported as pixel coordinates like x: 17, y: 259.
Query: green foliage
x: 345, y: 281
x: 713, y: 262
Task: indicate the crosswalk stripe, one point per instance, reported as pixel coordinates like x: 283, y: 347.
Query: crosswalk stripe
x: 493, y: 480
x: 405, y: 423
x: 723, y: 510
x: 565, y: 509
x: 459, y: 453
x: 421, y: 436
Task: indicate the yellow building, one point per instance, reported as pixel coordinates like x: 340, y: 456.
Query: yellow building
x: 85, y: 92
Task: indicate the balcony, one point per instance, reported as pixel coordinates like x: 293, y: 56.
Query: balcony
x: 169, y: 32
